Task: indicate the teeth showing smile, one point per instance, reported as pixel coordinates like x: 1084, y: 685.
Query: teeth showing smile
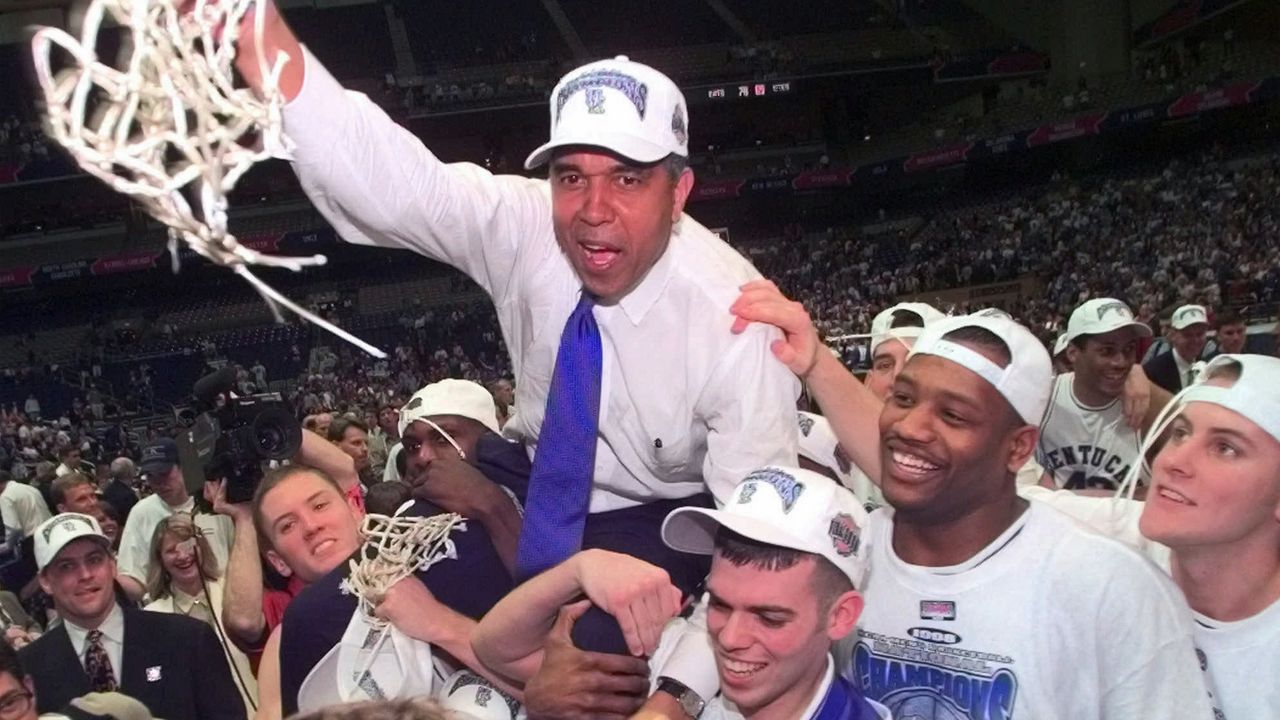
x: 913, y: 462
x: 742, y: 669
x: 1174, y: 496
x: 321, y: 547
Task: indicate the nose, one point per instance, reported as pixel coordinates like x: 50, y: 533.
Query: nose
x: 914, y: 426
x: 310, y: 526
x: 596, y: 203
x: 1175, y: 459
x: 733, y: 635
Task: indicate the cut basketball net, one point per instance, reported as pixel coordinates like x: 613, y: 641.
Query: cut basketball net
x: 171, y: 121
x: 395, y: 548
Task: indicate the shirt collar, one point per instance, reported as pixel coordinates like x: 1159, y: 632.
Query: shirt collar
x: 183, y: 602
x: 112, y: 628
x: 816, y: 701
x: 186, y: 507
x: 636, y: 304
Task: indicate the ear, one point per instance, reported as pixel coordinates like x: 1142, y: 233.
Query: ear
x: 684, y: 186
x: 278, y: 563
x: 45, y: 585
x: 354, y: 505
x: 1073, y: 352
x: 1022, y: 445
x: 844, y: 614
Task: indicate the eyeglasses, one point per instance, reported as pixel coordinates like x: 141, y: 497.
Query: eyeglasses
x: 15, y: 705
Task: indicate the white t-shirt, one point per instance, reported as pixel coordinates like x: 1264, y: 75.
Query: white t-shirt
x: 1085, y: 447
x: 719, y: 708
x: 1242, y: 659
x: 685, y: 405
x: 1048, y: 621
x: 135, y: 539
x: 23, y: 507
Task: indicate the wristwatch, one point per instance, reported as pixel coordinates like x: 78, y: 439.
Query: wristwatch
x: 690, y: 703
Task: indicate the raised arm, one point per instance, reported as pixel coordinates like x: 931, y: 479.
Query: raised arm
x: 242, y: 602
x: 848, y: 405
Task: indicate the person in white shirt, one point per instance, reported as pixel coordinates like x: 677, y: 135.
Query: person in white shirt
x: 978, y: 603
x: 1086, y: 442
x: 683, y: 406
x: 22, y: 509
x: 159, y: 469
x: 69, y: 461
x: 788, y: 558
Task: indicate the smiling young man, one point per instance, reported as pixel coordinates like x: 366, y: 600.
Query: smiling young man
x: 1086, y: 442
x: 171, y: 663
x: 893, y: 332
x: 634, y: 397
x: 788, y: 558
x: 1215, y: 503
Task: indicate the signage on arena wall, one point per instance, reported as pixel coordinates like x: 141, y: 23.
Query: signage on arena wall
x: 941, y: 157
x: 1067, y: 130
x: 129, y: 262
x: 16, y: 277
x: 1180, y: 17
x: 814, y: 179
x: 717, y: 189
x: 1230, y: 96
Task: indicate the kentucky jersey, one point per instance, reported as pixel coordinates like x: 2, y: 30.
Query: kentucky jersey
x: 1049, y: 621
x: 1084, y: 447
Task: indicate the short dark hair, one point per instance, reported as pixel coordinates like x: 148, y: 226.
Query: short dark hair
x: 11, y: 663
x: 905, y: 318
x: 385, y: 498
x: 1227, y: 316
x: 983, y: 338
x: 64, y: 452
x: 269, y: 482
x: 829, y: 583
x: 675, y: 165
x: 338, y: 428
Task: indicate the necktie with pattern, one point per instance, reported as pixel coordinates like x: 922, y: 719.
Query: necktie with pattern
x: 97, y: 665
x: 564, y: 462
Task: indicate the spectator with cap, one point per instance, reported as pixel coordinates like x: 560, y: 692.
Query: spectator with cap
x: 119, y: 491
x: 788, y: 559
x: 633, y: 397
x: 1175, y: 370
x: 171, y: 664
x: 161, y: 472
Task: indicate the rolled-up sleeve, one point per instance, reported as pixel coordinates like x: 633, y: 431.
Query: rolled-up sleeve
x: 377, y: 184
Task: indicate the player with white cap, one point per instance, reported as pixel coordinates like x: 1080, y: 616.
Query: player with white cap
x: 788, y: 558
x: 893, y: 332
x: 1176, y: 369
x: 1086, y: 440
x: 633, y: 397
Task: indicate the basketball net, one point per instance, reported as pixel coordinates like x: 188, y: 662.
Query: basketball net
x: 167, y: 125
x: 395, y: 548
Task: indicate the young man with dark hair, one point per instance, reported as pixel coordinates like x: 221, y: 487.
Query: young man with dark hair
x: 787, y: 560
x: 978, y: 602
x: 1086, y: 441
x: 352, y: 437
x: 17, y: 692
x: 1229, y: 334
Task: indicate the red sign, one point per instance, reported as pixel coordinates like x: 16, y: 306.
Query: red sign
x: 1066, y: 130
x: 16, y: 277
x: 937, y: 158
x: 1229, y: 96
x: 717, y: 189
x: 813, y: 179
x: 128, y: 262
x: 261, y: 243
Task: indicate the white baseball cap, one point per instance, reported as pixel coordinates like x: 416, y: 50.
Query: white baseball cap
x: 1025, y: 382
x: 59, y: 530
x: 468, y: 695
x: 451, y: 397
x: 1060, y: 344
x: 1102, y: 315
x: 881, y: 329
x: 620, y: 105
x: 1188, y: 315
x: 818, y: 443
x: 786, y: 507
x: 1255, y: 395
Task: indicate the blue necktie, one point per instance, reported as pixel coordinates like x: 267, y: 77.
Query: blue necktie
x: 564, y: 462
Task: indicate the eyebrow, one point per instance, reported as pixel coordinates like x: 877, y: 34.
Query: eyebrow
x: 757, y: 609
x: 288, y: 515
x: 561, y: 167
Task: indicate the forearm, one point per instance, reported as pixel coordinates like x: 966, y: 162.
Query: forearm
x: 242, y: 601
x: 328, y: 458
x: 852, y: 410
x: 451, y: 632
x: 269, y: 704
x: 510, y: 638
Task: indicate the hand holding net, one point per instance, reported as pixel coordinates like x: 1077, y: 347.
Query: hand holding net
x: 395, y: 548
x: 167, y: 124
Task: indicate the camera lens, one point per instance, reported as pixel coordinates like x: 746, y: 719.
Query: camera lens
x: 276, y: 434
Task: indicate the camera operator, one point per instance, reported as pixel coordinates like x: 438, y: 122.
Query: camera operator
x: 161, y: 472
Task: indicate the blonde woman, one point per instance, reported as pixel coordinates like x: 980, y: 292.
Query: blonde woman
x: 183, y: 578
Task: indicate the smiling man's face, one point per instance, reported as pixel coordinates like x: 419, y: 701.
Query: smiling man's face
x: 311, y: 525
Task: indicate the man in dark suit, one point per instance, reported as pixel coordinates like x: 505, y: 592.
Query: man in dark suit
x: 171, y: 663
x: 1174, y: 370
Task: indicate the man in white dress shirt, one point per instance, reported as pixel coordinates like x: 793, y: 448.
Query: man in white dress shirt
x: 684, y: 406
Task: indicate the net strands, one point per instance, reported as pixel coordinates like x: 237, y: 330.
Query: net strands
x: 395, y: 548
x: 168, y: 122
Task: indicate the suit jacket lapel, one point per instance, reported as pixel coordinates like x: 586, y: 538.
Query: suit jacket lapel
x: 137, y: 656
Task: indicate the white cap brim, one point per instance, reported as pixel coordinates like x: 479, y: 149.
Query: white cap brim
x: 1143, y: 329
x: 693, y: 530
x: 626, y: 145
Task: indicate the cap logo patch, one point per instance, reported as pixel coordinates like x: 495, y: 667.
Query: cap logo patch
x: 595, y: 101
x: 787, y: 487
x: 1189, y: 312
x: 678, y: 127
x: 1117, y: 307
x: 844, y: 535
x: 634, y: 90
x: 69, y: 524
x: 842, y: 459
x: 806, y: 425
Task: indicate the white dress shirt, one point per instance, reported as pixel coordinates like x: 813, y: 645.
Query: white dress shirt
x: 683, y: 400
x: 22, y: 507
x: 1185, y: 378
x: 112, y: 639
x: 134, y: 556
